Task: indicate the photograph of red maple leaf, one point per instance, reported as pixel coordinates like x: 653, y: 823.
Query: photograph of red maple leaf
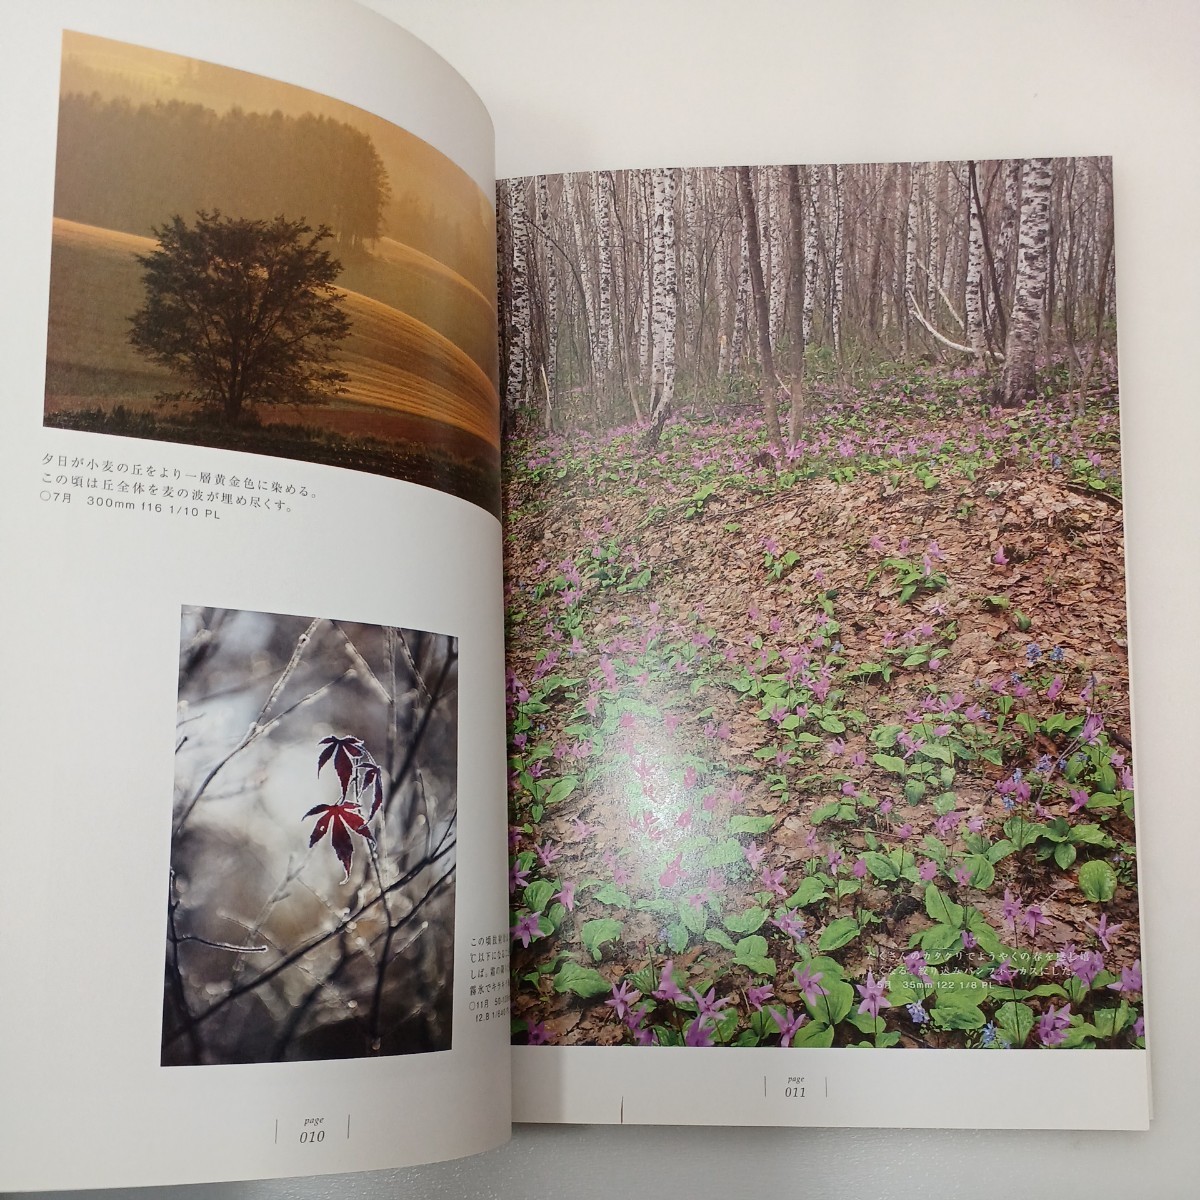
x: 312, y: 875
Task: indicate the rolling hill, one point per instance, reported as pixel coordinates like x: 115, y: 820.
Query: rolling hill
x: 397, y: 362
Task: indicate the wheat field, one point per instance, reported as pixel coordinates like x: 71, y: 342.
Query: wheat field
x: 397, y: 363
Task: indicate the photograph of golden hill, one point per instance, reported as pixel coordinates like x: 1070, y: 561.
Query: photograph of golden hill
x: 246, y: 264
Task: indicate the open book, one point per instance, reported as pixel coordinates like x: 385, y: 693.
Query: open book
x: 816, y: 686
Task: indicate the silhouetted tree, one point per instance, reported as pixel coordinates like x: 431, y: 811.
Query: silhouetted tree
x: 245, y: 310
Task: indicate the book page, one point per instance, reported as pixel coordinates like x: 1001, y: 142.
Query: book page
x: 254, y: 924
x: 819, y: 708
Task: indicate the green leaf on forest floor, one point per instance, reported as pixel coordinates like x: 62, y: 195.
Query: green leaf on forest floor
x: 881, y: 866
x: 839, y: 933
x: 724, y: 854
x: 751, y: 952
x: 1098, y: 881
x: 594, y: 934
x: 741, y: 823
x: 815, y: 1034
x: 746, y: 922
x: 537, y: 894
x: 582, y: 981
x: 809, y: 892
x: 884, y: 736
x: 983, y: 874
x: 942, y: 908
x: 611, y: 894
x: 1015, y: 1022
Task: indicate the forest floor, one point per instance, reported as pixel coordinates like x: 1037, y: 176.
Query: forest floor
x: 824, y: 748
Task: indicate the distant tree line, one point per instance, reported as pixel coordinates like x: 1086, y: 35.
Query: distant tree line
x: 129, y: 167
x: 611, y: 279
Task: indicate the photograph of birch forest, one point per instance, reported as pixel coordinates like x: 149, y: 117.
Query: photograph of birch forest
x: 818, y: 688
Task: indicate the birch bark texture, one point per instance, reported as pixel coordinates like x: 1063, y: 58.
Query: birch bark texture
x: 974, y: 299
x: 665, y: 299
x: 810, y: 258
x: 602, y: 209
x: 837, y: 265
x: 549, y: 273
x: 518, y: 342
x: 1018, y: 382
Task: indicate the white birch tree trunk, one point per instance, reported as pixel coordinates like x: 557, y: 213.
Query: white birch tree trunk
x: 690, y: 293
x: 741, y: 303
x: 724, y: 305
x: 810, y: 260
x: 837, y: 266
x: 933, y: 254
x: 1018, y: 383
x: 665, y: 300
x: 958, y: 191
x: 516, y: 385
x: 550, y: 274
x: 916, y: 174
x: 602, y: 212
x: 627, y: 283
x: 773, y: 180
x: 973, y: 304
x: 1008, y: 229
x: 646, y: 322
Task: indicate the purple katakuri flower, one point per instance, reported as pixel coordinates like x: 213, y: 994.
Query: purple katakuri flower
x: 789, y: 1024
x: 1131, y: 979
x: 916, y: 965
x: 526, y: 929
x: 667, y: 988
x: 1087, y: 966
x: 809, y: 982
x: 622, y: 999
x: 1103, y: 930
x: 872, y: 993
x: 1004, y: 973
x: 756, y: 997
x: 708, y: 1005
x: 1052, y: 1025
x: 792, y: 925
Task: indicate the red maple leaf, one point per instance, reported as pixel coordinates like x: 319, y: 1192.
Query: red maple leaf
x: 343, y: 751
x: 339, y: 821
x: 372, y: 778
